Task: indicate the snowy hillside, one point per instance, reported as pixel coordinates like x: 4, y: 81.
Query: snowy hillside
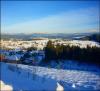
x: 24, y: 77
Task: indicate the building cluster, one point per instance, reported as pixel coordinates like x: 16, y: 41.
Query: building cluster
x: 11, y: 44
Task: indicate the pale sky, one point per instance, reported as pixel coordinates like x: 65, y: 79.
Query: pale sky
x: 49, y: 16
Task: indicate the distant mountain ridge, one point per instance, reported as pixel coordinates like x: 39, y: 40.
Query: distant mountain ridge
x: 93, y: 37
x: 23, y: 36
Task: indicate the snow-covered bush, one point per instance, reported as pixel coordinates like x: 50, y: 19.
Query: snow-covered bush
x: 4, y: 87
x: 59, y: 87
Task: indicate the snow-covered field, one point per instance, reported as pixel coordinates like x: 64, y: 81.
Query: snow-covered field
x: 35, y: 78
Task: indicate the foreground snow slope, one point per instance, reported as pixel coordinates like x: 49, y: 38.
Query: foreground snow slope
x: 24, y: 77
